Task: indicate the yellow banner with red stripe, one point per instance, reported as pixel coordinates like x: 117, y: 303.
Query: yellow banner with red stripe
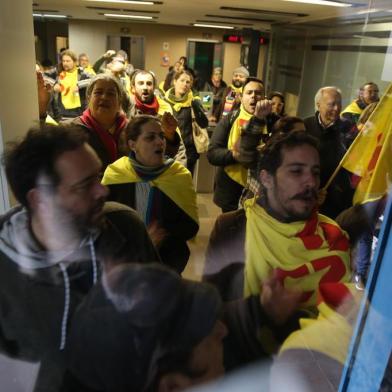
x: 370, y: 155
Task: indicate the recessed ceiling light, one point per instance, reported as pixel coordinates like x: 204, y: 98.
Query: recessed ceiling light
x: 50, y: 16
x: 213, y: 26
x: 371, y: 11
x: 128, y: 16
x: 123, y: 2
x: 322, y: 2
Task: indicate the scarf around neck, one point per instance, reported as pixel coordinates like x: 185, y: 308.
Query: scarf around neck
x: 147, y: 173
x: 179, y: 103
x: 109, y: 140
x: 175, y: 181
x: 145, y: 108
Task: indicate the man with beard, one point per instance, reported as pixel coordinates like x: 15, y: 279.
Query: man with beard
x: 280, y: 232
x: 368, y: 93
x: 223, y: 151
x: 231, y: 97
x: 71, y: 86
x: 56, y: 243
x: 335, y: 136
x: 144, y: 101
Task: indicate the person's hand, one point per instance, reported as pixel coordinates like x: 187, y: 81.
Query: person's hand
x: 169, y: 126
x: 322, y: 194
x: 236, y: 149
x: 43, y: 94
x: 75, y: 89
x: 211, y: 118
x: 110, y: 53
x: 263, y: 108
x: 278, y: 302
x: 57, y: 88
x: 156, y: 233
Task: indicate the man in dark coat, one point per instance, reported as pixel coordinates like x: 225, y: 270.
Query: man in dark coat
x: 55, y: 245
x: 335, y: 136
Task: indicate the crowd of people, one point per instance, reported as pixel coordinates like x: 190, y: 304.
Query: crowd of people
x: 91, y: 258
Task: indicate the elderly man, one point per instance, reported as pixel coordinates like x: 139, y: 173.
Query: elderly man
x: 335, y: 135
x: 223, y: 151
x: 144, y: 101
x: 280, y: 232
x: 54, y: 246
x: 71, y: 86
x: 231, y: 97
x: 368, y: 93
x: 84, y: 62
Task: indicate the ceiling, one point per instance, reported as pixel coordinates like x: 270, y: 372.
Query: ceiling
x: 255, y: 14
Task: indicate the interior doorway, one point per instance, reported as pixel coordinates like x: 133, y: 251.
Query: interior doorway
x: 132, y: 45
x: 203, y: 57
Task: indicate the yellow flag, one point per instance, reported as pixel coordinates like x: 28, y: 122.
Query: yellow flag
x: 370, y: 155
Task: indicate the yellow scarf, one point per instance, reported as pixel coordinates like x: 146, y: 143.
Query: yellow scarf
x: 303, y: 254
x: 89, y: 69
x: 237, y: 90
x: 68, y: 81
x: 352, y: 108
x: 175, y: 182
x: 237, y: 172
x: 177, y: 106
x: 164, y: 106
x: 331, y: 332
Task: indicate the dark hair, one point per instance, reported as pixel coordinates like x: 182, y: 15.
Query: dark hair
x: 367, y: 84
x: 279, y: 95
x: 47, y: 63
x: 252, y: 79
x: 134, y: 127
x: 184, y: 59
x: 271, y: 154
x: 142, y: 72
x: 36, y: 155
x: 160, y: 317
x: 276, y: 94
x: 286, y: 124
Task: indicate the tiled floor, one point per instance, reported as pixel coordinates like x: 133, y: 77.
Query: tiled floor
x: 208, y: 212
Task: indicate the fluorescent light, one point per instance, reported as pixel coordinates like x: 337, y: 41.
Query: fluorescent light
x: 51, y: 16
x: 123, y: 2
x: 213, y: 26
x: 128, y: 16
x: 368, y: 11
x: 322, y: 2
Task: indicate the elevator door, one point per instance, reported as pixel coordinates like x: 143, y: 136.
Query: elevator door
x: 132, y: 45
x: 203, y: 57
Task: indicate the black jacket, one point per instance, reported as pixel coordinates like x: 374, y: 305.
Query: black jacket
x: 334, y: 142
x: 227, y: 192
x: 180, y: 227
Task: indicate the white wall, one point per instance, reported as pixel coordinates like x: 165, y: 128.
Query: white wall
x: 18, y: 94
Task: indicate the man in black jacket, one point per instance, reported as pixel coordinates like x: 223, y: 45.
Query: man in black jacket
x: 55, y: 245
x: 335, y: 136
x: 223, y: 150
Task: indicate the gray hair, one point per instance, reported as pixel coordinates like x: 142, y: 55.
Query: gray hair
x: 107, y: 78
x: 320, y: 93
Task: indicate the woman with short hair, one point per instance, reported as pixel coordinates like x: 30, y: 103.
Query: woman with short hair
x: 103, y: 120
